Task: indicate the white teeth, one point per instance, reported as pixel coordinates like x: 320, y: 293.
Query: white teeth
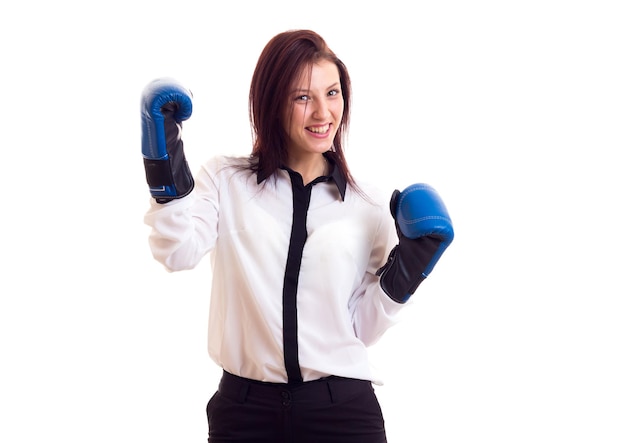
x: 319, y: 129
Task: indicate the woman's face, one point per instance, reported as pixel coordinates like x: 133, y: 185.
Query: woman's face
x: 314, y: 110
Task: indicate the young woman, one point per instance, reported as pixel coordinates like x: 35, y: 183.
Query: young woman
x: 296, y: 245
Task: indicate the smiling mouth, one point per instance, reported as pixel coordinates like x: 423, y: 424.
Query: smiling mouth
x: 318, y: 129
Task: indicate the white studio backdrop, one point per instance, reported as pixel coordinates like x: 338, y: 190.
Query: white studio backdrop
x: 514, y: 111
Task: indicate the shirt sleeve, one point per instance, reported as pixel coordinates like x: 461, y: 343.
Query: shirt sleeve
x: 372, y: 311
x: 185, y: 230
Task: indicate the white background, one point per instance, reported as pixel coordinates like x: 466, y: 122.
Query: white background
x: 514, y: 110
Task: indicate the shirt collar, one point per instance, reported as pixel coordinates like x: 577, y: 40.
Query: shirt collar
x: 335, y: 175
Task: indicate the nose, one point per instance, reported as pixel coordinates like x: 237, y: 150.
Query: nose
x: 320, y: 110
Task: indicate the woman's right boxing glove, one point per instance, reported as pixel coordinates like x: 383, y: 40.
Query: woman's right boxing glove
x: 165, y: 104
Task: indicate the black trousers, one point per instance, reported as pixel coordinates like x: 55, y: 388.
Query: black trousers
x: 330, y: 410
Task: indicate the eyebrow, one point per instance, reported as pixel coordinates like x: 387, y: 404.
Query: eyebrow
x: 334, y: 85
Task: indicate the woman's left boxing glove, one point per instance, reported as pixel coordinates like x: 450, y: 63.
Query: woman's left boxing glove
x: 424, y: 231
x: 165, y: 104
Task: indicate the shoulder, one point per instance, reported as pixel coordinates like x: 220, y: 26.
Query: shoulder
x: 220, y: 172
x: 219, y: 162
x: 374, y: 200
x: 221, y: 166
x: 371, y: 193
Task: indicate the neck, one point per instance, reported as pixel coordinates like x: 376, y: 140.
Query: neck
x: 310, y: 168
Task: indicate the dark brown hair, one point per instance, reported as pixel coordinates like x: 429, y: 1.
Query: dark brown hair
x: 280, y: 63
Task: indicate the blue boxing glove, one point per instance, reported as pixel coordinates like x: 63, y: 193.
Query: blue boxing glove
x: 165, y: 104
x: 424, y: 231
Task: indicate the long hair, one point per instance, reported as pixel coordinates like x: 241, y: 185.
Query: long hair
x: 280, y: 63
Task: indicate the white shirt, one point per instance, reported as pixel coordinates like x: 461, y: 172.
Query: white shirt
x: 246, y: 227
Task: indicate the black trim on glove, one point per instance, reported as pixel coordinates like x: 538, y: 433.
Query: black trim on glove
x: 403, y: 272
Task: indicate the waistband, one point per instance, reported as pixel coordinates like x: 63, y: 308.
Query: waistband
x: 331, y: 389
